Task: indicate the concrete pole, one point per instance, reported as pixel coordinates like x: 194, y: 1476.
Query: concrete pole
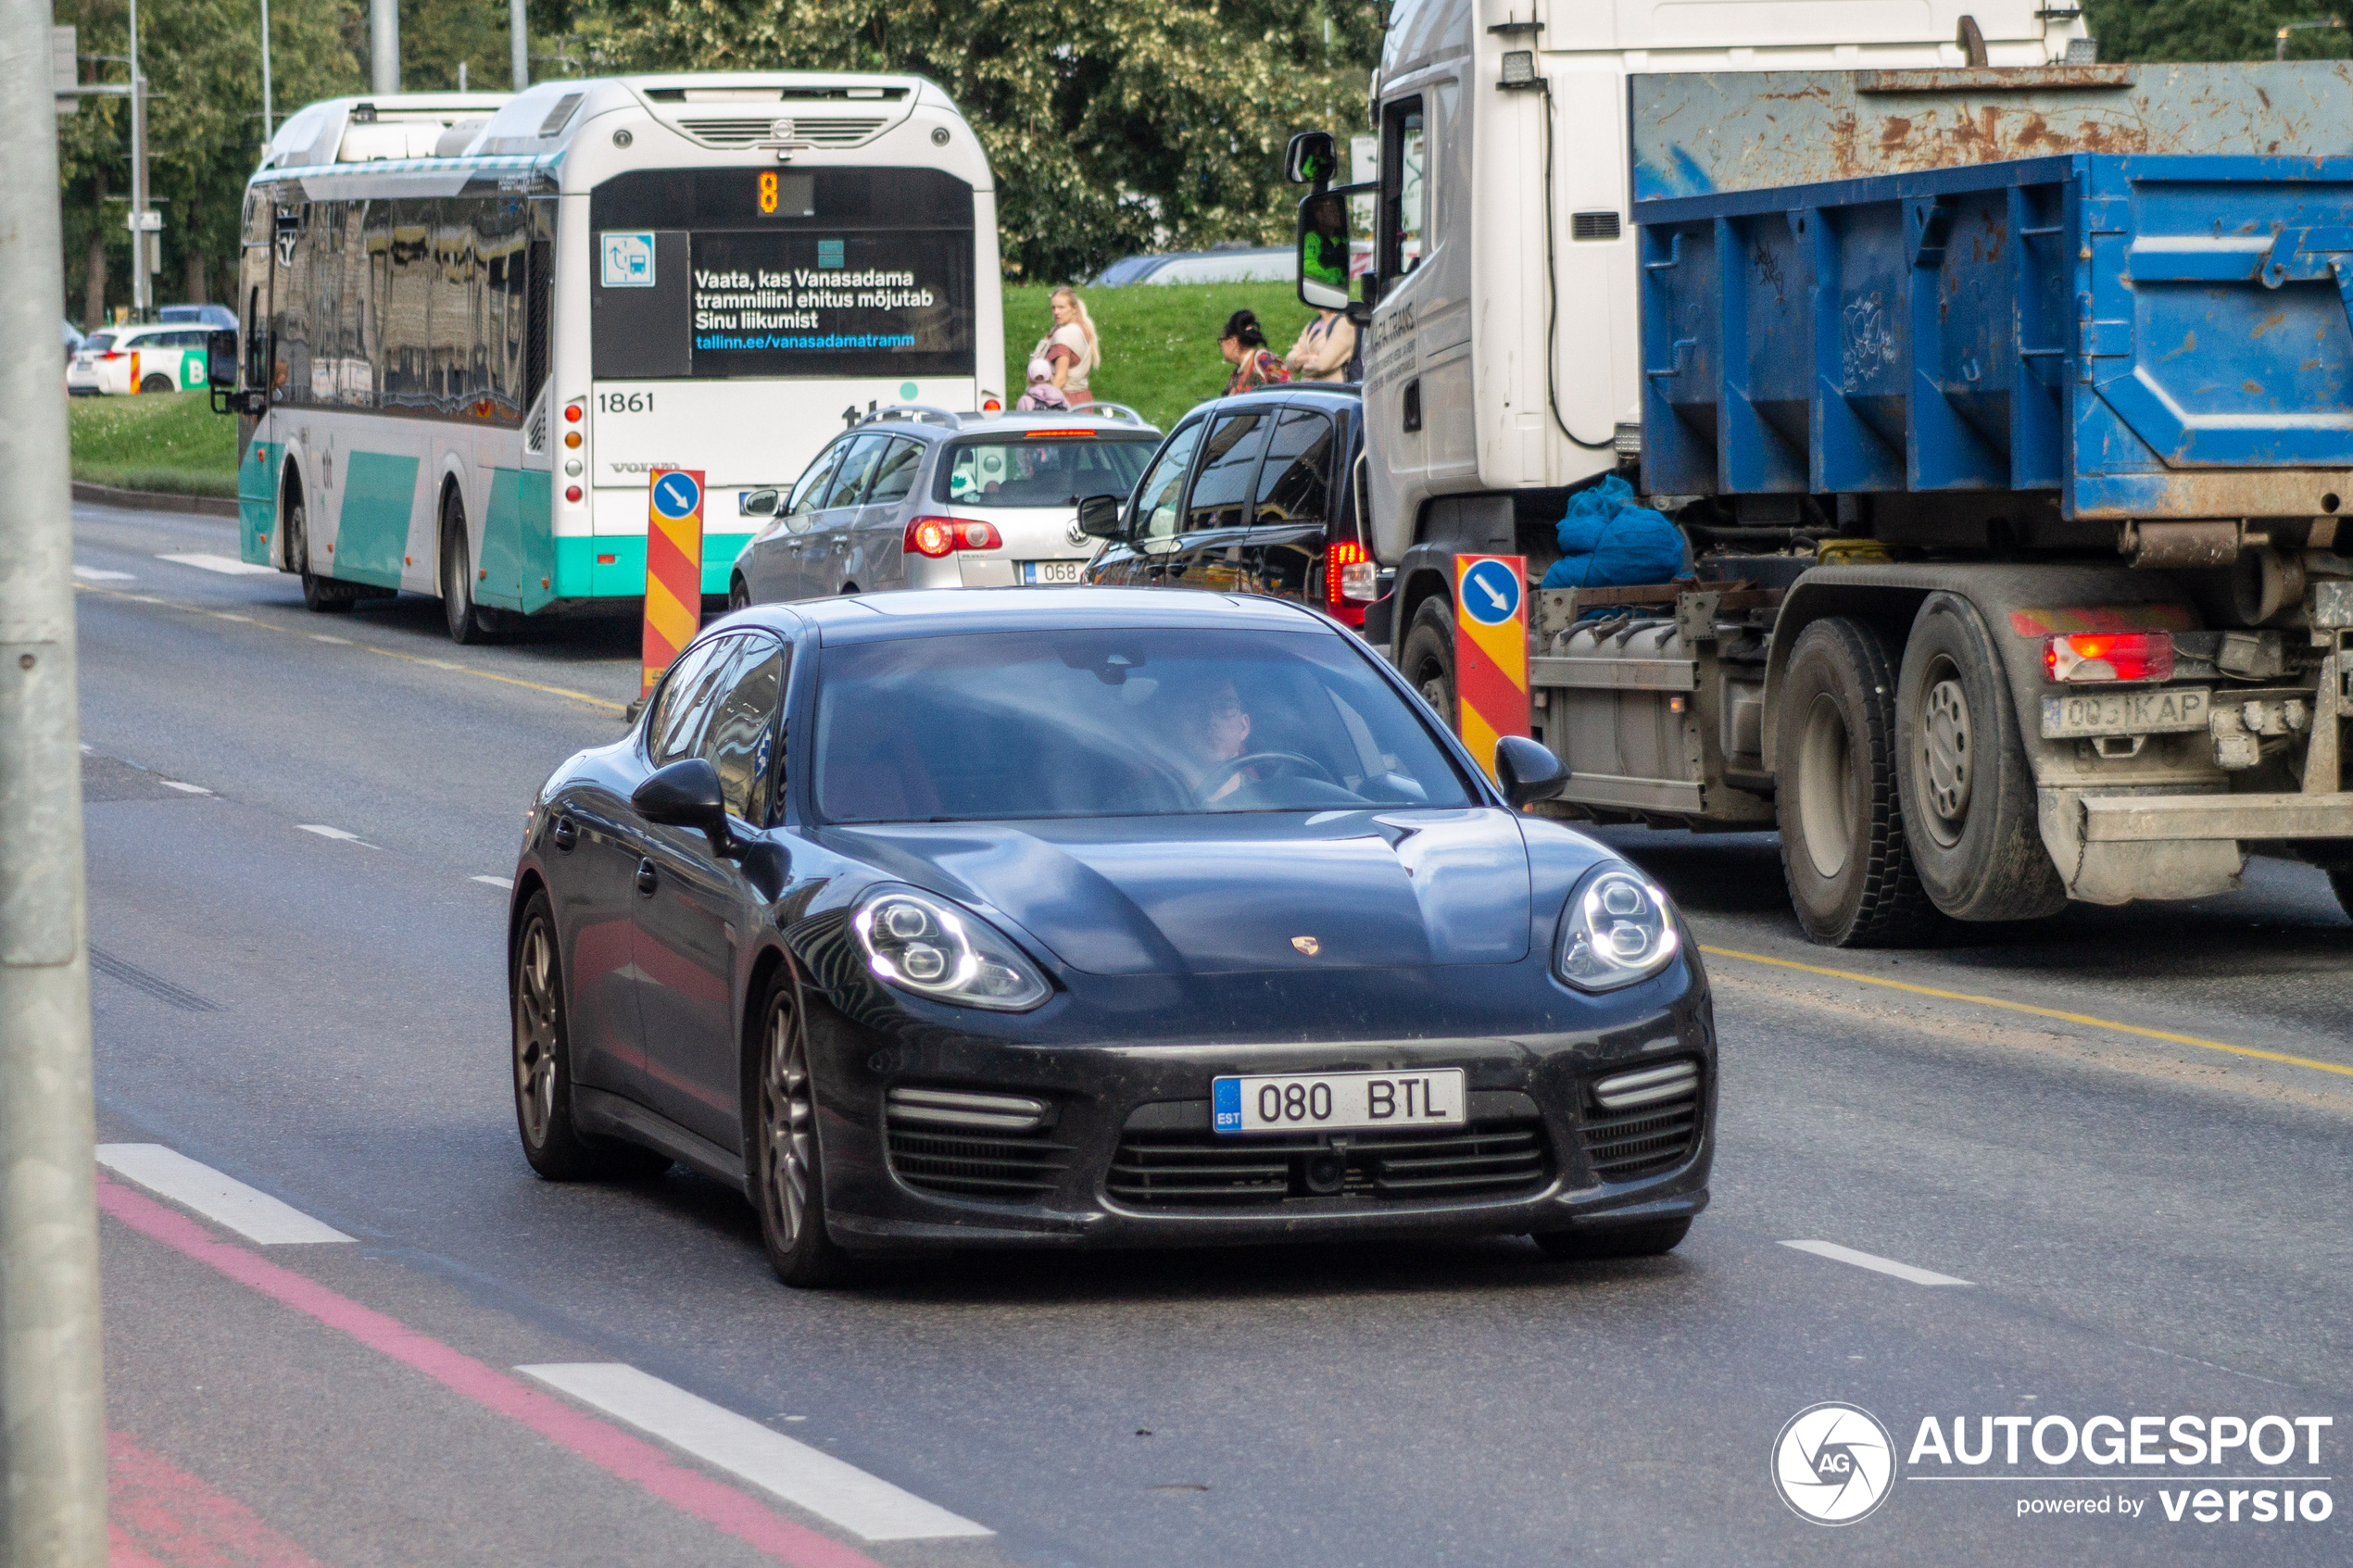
x: 267, y: 129
x: 142, y: 284
x: 53, y: 1511
x: 384, y: 46
x: 519, y: 42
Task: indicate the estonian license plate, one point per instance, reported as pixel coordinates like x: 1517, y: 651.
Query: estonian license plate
x: 1337, y: 1102
x: 1051, y: 571
x: 2160, y: 710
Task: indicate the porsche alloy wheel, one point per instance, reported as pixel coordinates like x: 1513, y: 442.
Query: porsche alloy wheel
x: 791, y: 1179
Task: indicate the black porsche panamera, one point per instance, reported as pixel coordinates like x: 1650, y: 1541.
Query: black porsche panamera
x: 1095, y: 916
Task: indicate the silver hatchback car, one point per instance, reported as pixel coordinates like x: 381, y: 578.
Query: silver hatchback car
x: 912, y: 498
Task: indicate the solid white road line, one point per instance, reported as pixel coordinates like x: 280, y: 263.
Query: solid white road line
x: 224, y: 1200
x: 506, y: 882
x: 806, y: 1478
x: 1832, y: 1249
x: 99, y: 574
x: 228, y: 566
x: 185, y: 788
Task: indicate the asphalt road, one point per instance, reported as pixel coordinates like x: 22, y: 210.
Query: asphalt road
x: 2125, y: 1130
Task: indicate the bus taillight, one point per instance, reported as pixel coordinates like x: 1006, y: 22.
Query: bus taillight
x: 572, y: 413
x: 571, y: 494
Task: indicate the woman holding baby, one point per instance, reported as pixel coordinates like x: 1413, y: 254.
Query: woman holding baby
x: 1064, y: 358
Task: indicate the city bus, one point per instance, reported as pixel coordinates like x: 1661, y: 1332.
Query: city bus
x: 472, y: 324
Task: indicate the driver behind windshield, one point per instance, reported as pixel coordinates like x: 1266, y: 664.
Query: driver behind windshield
x: 1212, y: 728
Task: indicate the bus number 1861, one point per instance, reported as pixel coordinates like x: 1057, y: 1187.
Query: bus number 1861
x: 625, y: 403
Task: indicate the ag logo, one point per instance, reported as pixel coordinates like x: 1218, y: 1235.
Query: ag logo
x: 1833, y: 1463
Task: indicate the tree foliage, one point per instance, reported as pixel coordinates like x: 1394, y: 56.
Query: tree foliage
x: 1111, y: 125
x: 2212, y: 30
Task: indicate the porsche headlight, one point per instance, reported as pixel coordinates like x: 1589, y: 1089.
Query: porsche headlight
x: 927, y: 945
x: 1618, y: 929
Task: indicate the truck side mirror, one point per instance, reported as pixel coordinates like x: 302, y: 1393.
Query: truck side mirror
x: 1312, y: 158
x: 1099, y: 517
x: 1527, y: 771
x: 1323, y: 251
x: 220, y: 358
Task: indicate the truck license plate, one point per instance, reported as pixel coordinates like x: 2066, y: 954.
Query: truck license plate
x: 2158, y: 710
x: 1051, y: 571
x: 1337, y: 1102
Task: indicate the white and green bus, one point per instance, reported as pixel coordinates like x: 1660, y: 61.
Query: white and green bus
x: 472, y: 324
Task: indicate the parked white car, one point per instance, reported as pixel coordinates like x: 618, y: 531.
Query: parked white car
x: 114, y: 360
x: 923, y: 498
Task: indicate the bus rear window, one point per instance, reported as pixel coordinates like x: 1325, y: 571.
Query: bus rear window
x: 1039, y: 470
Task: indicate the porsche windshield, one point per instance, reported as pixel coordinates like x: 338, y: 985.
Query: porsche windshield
x: 1017, y: 724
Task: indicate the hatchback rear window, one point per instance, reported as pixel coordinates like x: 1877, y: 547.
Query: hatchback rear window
x: 97, y: 343
x: 1039, y: 470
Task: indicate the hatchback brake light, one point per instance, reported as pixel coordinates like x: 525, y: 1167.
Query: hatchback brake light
x: 938, y: 536
x: 2100, y: 657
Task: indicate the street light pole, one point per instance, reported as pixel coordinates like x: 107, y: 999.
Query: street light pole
x: 141, y: 279
x: 384, y: 46
x: 519, y: 43
x: 266, y: 131
x: 53, y: 1507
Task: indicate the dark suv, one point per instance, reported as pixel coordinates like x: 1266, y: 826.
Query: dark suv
x: 1258, y: 493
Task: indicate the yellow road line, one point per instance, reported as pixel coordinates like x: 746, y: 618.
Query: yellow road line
x: 368, y: 648
x: 2030, y: 1007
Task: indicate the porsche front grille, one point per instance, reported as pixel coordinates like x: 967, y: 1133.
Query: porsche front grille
x: 1190, y: 1169
x: 959, y: 1143
x: 1639, y: 1124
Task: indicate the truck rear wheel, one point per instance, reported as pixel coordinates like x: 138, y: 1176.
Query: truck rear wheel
x: 1968, y: 792
x: 1843, y: 848
x: 1427, y: 659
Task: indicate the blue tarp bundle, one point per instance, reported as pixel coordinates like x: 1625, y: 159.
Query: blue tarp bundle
x: 1608, y: 542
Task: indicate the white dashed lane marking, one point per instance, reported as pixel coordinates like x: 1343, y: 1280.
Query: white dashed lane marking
x: 506, y: 882
x: 806, y: 1478
x: 338, y: 834
x: 224, y: 1200
x: 1834, y: 1251
x: 185, y: 788
x: 228, y: 566
x: 99, y: 574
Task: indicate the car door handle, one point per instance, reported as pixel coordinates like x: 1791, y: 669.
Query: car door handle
x: 647, y: 878
x: 567, y: 832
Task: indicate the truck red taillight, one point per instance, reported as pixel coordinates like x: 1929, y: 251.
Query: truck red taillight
x: 938, y: 536
x: 2098, y: 656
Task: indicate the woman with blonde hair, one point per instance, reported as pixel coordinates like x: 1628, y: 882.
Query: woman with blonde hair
x: 1071, y: 349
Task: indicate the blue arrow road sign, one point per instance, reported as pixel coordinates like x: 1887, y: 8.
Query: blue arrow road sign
x: 676, y: 495
x: 1491, y: 593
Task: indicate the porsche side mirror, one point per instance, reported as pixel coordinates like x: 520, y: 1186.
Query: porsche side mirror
x: 687, y: 795
x: 1527, y: 771
x: 1098, y: 516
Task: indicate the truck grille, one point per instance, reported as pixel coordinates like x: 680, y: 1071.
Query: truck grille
x: 975, y: 1146
x: 1641, y: 1122
x: 1180, y: 1169
x: 831, y: 131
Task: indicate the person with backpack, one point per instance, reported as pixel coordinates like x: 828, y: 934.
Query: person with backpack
x: 1243, y: 343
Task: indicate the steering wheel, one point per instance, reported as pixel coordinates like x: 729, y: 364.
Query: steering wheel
x: 1282, y: 762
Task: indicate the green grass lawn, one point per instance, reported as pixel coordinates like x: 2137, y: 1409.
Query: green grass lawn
x: 156, y: 441
x: 1160, y: 342
x: 1160, y: 358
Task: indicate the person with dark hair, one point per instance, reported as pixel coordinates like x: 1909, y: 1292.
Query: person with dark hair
x: 1243, y: 343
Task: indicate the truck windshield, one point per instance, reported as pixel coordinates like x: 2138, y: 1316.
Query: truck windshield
x: 1112, y: 723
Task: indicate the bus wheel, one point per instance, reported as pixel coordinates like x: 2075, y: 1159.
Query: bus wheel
x: 1428, y: 657
x: 458, y: 606
x: 158, y: 384
x: 1849, y: 871
x: 319, y: 593
x: 1969, y: 809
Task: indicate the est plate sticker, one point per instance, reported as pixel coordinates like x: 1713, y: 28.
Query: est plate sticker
x: 1337, y: 1102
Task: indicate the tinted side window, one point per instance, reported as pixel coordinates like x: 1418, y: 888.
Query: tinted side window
x: 814, y: 483
x: 857, y: 468
x: 1221, y: 495
x: 684, y: 708
x: 741, y: 741
x: 1155, y: 513
x: 894, y: 475
x: 1293, y: 486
